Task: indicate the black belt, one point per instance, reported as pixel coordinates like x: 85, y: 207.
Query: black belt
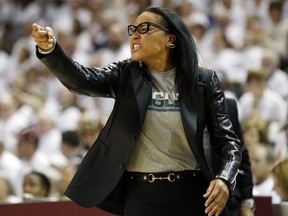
x: 163, y: 176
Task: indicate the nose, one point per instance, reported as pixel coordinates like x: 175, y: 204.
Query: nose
x: 135, y: 35
x: 27, y: 188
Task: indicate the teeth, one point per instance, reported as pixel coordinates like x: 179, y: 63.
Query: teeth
x: 136, y: 46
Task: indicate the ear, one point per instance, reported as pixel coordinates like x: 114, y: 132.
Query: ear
x: 172, y: 38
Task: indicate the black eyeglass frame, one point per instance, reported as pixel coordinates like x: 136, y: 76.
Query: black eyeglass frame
x: 136, y: 28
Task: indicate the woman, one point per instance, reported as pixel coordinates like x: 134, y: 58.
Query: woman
x: 280, y: 176
x: 149, y: 159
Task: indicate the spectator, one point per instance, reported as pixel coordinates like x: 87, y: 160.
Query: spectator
x: 10, y: 166
x: 7, y: 194
x: 259, y: 103
x: 88, y: 128
x: 49, y: 135
x: 12, y: 121
x: 69, y: 112
x: 262, y: 159
x: 252, y: 48
x: 36, y: 186
x: 277, y: 32
x: 254, y: 133
x: 277, y: 79
x: 281, y: 143
x: 280, y: 176
x: 70, y: 146
x: 118, y: 47
x: 31, y: 158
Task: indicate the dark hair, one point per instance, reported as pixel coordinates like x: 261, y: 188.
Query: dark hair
x: 44, y: 181
x: 184, y: 54
x: 71, y: 138
x: 276, y: 5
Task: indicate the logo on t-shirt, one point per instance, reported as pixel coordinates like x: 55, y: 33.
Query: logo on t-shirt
x: 163, y: 101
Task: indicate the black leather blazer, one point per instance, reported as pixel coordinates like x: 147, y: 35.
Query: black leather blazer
x: 244, y: 186
x: 98, y: 179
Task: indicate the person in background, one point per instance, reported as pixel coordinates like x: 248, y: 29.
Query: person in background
x: 70, y: 146
x: 28, y: 153
x: 89, y: 127
x: 281, y: 143
x: 255, y: 133
x: 258, y: 103
x: 36, y: 186
x: 262, y: 157
x: 12, y: 121
x: 69, y: 111
x: 262, y: 106
x: 7, y: 192
x: 280, y: 176
x: 149, y: 159
x: 277, y: 31
x: 10, y: 166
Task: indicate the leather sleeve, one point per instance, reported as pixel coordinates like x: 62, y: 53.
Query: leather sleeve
x: 79, y: 79
x: 223, y: 139
x: 244, y: 180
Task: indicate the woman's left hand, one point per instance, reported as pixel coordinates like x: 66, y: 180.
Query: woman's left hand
x: 217, y: 195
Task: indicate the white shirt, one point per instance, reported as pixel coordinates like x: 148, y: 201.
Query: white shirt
x: 11, y: 166
x: 50, y: 142
x: 266, y: 189
x: 278, y: 82
x: 271, y: 106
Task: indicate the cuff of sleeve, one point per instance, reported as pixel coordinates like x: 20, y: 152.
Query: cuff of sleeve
x: 248, y: 203
x: 231, y: 186
x: 47, y: 51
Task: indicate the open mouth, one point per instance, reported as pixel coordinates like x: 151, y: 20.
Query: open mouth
x: 135, y: 47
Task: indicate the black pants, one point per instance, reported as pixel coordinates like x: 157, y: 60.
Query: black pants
x: 164, y: 198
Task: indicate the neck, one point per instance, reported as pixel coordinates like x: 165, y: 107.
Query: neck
x: 261, y: 180
x: 164, y: 69
x: 160, y: 65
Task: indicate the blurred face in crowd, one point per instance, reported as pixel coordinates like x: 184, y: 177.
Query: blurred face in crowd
x: 26, y: 149
x: 251, y: 136
x: 260, y: 166
x: 256, y: 86
x: 33, y: 185
x: 116, y: 36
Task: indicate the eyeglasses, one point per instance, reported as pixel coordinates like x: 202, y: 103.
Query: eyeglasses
x: 144, y: 27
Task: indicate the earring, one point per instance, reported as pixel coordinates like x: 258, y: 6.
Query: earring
x: 171, y: 46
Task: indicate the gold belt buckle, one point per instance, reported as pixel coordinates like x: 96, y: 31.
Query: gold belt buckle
x: 170, y: 177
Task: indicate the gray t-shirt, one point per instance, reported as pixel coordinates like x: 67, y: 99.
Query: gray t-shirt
x: 162, y: 144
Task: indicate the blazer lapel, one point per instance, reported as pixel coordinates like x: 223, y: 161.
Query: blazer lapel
x: 135, y: 94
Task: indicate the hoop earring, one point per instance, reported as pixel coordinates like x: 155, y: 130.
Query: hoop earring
x: 171, y: 46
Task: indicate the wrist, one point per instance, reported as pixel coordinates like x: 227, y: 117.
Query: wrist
x: 47, y: 51
x: 248, y: 203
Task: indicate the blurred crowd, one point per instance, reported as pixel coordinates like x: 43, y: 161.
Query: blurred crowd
x: 45, y: 130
